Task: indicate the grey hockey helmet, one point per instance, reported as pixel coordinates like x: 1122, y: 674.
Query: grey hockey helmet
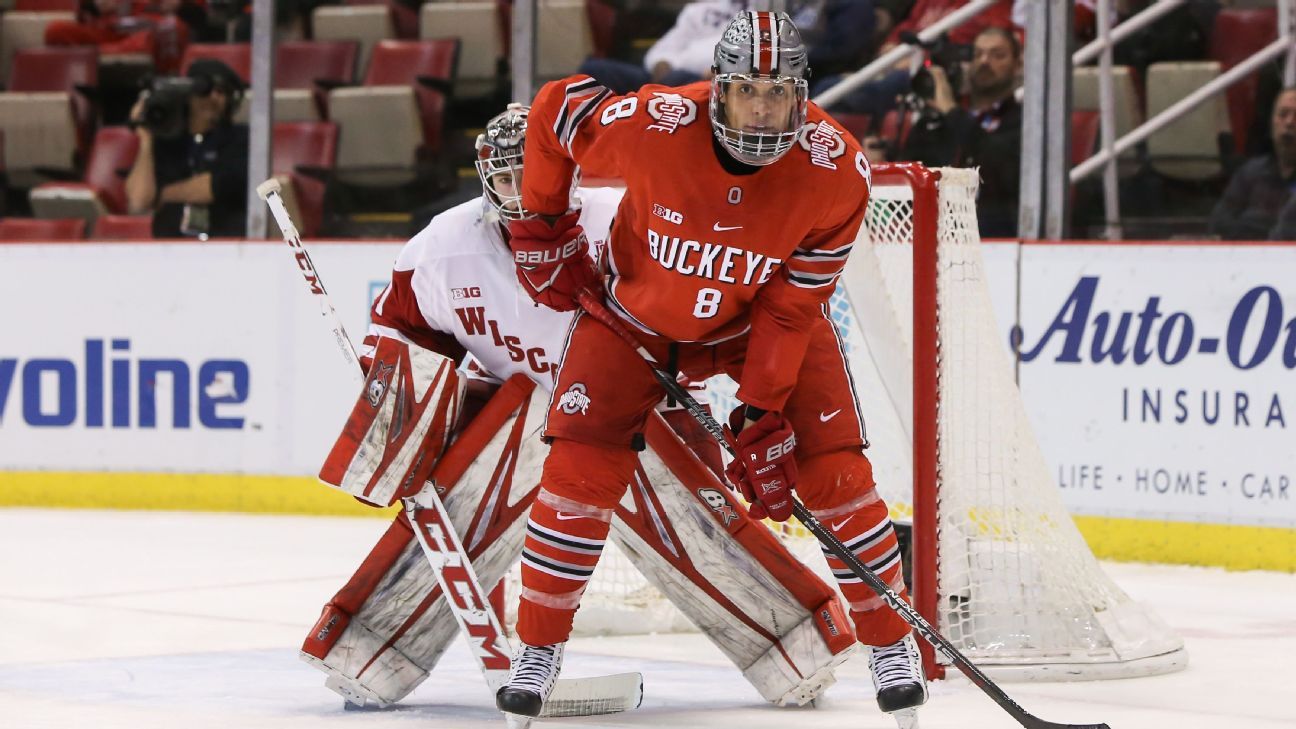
x: 760, y: 88
x: 499, y: 157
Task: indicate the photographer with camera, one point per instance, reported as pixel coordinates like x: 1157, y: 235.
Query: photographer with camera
x: 985, y: 134
x: 192, y: 166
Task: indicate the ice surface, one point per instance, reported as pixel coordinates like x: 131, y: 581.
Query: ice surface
x: 187, y: 621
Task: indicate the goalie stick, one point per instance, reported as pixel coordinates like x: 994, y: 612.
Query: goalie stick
x: 444, y: 550
x: 595, y: 308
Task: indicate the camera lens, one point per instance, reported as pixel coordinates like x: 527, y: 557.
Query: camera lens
x: 923, y: 85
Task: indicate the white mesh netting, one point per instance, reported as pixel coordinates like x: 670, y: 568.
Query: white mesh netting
x: 1018, y: 587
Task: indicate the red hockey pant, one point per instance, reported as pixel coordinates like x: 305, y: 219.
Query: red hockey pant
x: 601, y: 399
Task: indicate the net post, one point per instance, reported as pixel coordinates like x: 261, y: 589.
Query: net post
x: 926, y: 396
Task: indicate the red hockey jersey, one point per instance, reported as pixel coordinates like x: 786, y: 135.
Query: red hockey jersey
x: 699, y: 253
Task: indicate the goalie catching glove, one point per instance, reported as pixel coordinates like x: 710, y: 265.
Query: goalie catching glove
x: 553, y: 261
x: 763, y: 468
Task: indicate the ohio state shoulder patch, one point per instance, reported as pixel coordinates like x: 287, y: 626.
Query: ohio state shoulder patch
x: 670, y: 111
x: 823, y: 143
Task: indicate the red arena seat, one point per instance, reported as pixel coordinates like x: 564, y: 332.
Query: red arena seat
x: 1238, y: 33
x: 74, y: 69
x: 124, y: 227
x: 302, y: 150
x: 32, y: 229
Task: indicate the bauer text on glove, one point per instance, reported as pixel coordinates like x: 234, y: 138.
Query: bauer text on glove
x: 553, y: 261
x: 764, y: 469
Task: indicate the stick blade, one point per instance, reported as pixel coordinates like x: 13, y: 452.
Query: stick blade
x: 1033, y: 723
x: 595, y: 695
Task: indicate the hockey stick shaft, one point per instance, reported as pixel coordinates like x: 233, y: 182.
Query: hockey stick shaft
x: 593, y: 306
x: 269, y: 192
x: 428, y: 518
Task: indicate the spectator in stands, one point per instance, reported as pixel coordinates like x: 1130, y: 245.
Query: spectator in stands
x: 680, y: 57
x: 100, y: 22
x: 892, y: 20
x: 158, y: 28
x: 887, y: 14
x: 1182, y: 34
x: 1286, y: 227
x: 838, y: 33
x: 194, y: 183
x: 1259, y: 190
x: 926, y: 12
x: 985, y: 134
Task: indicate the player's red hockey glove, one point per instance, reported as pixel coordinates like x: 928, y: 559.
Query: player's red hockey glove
x: 764, y: 469
x: 553, y: 261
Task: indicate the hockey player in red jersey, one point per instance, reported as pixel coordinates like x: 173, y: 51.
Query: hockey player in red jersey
x: 723, y: 255
x: 454, y: 290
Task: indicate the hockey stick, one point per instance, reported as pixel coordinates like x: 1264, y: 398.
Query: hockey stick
x: 444, y: 550
x: 593, y: 306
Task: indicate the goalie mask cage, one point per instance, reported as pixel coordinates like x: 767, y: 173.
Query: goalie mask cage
x: 998, y: 565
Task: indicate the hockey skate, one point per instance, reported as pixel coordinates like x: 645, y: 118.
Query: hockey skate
x: 531, y: 680
x: 898, y: 677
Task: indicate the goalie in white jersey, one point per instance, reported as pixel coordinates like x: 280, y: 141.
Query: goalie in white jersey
x: 454, y: 290
x: 454, y: 287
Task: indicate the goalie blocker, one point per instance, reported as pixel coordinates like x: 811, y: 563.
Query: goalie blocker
x: 383, y: 632
x: 399, y: 426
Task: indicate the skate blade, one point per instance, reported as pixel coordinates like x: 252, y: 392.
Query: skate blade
x: 906, y: 718
x: 517, y: 721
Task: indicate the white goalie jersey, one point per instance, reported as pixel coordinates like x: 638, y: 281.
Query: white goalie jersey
x: 454, y: 289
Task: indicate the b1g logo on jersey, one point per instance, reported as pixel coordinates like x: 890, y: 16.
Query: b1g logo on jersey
x: 667, y: 214
x: 465, y: 292
x: 823, y: 143
x: 670, y: 111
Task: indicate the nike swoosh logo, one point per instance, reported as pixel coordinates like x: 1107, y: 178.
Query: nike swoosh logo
x: 825, y: 417
x: 843, y: 522
x: 722, y: 228
x: 569, y: 517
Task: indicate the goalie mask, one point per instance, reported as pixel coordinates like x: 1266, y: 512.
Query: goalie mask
x: 760, y: 88
x: 499, y: 161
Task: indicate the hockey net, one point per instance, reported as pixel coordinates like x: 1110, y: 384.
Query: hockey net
x: 998, y: 564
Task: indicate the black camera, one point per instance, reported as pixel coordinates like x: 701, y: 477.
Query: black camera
x: 166, y: 110
x: 944, y: 54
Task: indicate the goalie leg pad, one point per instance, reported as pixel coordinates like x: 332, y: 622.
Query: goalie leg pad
x: 781, y: 625
x: 386, y: 648
x: 799, y: 668
x: 565, y: 535
x: 381, y: 634
x: 349, y: 600
x: 838, y: 489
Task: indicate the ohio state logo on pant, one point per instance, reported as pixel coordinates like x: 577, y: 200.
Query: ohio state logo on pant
x: 574, y: 400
